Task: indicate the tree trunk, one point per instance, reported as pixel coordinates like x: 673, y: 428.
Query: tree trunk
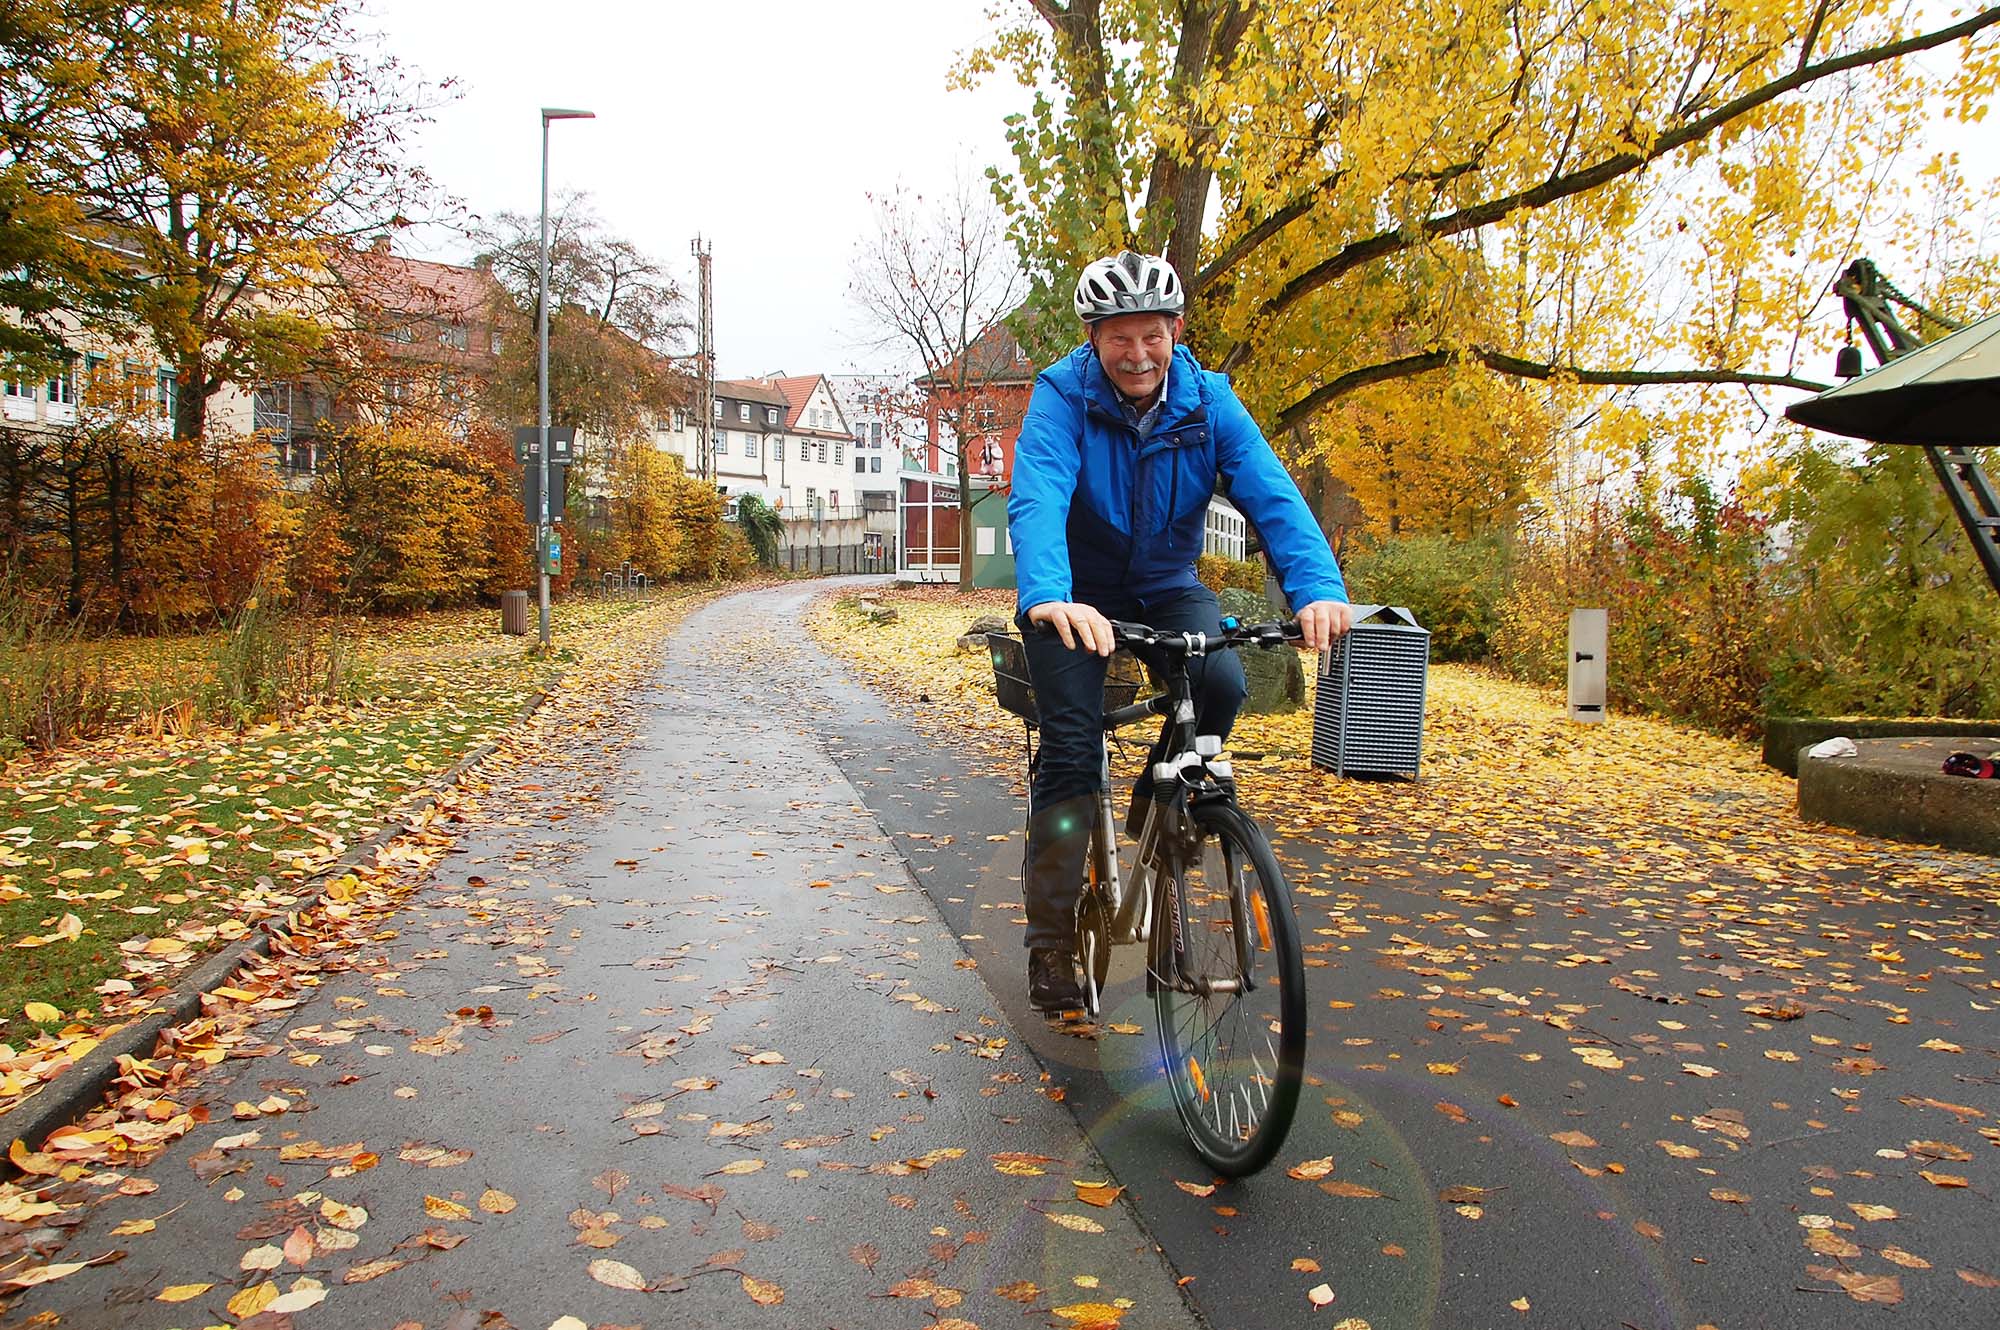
x: 114, y: 523
x: 193, y: 389
x: 72, y: 518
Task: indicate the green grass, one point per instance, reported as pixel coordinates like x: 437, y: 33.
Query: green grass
x: 92, y: 832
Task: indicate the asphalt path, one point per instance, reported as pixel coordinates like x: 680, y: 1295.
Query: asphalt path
x: 673, y: 1038
x: 1606, y: 1097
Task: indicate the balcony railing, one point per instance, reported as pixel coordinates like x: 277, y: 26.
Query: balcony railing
x: 826, y: 513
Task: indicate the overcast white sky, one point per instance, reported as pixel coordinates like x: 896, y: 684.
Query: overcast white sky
x: 761, y: 124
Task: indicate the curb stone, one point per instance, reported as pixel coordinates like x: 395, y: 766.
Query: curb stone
x: 80, y: 1088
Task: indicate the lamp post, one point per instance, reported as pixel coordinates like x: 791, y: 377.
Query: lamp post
x: 542, y: 365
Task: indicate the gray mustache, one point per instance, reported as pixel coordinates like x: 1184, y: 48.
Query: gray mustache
x: 1136, y: 366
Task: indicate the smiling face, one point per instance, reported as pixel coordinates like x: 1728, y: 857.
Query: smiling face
x: 1135, y: 350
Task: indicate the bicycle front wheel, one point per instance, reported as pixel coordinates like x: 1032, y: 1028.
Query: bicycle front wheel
x: 1229, y: 991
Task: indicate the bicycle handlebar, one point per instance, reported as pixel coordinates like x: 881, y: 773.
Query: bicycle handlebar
x: 1234, y: 636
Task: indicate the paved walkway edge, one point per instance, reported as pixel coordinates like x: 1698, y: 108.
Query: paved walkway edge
x: 81, y: 1088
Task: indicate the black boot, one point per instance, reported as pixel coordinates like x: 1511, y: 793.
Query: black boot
x: 1052, y: 985
x: 1058, y: 845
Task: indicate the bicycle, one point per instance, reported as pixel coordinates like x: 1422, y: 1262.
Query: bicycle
x: 1225, y: 970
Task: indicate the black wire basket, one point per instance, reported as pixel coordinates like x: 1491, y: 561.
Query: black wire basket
x: 1012, y: 688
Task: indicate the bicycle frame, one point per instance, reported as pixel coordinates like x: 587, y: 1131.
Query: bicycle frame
x: 1190, y: 765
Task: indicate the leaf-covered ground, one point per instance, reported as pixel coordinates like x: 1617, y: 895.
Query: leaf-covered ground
x: 1595, y: 989
x: 648, y: 1025
x: 125, y: 860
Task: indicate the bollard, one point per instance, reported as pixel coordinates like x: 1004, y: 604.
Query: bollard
x: 1589, y: 635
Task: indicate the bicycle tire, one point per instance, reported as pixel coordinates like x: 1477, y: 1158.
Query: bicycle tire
x: 1213, y: 1047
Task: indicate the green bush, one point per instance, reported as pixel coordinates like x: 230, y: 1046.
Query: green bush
x: 1218, y: 572
x: 761, y: 527
x: 1882, y: 607
x: 1454, y: 587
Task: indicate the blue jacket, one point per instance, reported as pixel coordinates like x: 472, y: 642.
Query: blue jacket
x: 1097, y: 513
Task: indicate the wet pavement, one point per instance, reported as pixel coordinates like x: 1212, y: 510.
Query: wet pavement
x: 1560, y: 1074
x: 757, y: 1031
x: 673, y: 1038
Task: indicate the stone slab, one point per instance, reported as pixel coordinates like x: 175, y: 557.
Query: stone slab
x: 1895, y: 787
x: 1784, y: 736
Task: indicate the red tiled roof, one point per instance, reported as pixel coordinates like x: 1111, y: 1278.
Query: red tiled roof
x: 403, y: 285
x: 994, y: 358
x: 798, y: 390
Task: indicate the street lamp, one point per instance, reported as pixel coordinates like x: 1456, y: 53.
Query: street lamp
x: 542, y: 364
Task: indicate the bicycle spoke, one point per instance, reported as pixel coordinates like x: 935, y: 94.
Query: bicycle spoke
x: 1212, y: 1021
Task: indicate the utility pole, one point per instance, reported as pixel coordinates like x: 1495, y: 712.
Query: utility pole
x: 544, y: 534
x: 705, y: 357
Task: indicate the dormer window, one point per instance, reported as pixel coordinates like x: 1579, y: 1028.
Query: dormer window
x: 770, y: 415
x: 743, y: 410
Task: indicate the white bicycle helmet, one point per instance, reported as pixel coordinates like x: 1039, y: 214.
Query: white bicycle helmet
x: 1128, y: 283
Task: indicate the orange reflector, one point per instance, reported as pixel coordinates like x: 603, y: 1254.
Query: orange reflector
x: 1200, y: 1081
x: 1263, y: 910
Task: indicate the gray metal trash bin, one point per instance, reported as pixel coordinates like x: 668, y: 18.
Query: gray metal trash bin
x: 514, y: 613
x: 1368, y: 701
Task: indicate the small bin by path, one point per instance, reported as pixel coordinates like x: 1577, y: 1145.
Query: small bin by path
x: 1368, y: 701
x: 514, y: 613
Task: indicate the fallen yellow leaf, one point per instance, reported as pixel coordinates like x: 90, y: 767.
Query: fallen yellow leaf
x: 182, y: 1292
x: 439, y: 1208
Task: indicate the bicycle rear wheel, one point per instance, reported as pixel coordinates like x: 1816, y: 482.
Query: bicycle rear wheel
x: 1232, y: 1050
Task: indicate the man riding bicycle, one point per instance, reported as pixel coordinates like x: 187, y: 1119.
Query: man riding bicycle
x: 1124, y: 442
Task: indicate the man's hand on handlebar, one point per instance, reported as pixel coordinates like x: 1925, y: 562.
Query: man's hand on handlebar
x: 1077, y: 625
x: 1322, y: 621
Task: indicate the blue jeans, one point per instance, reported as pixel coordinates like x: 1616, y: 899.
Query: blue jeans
x: 1069, y: 693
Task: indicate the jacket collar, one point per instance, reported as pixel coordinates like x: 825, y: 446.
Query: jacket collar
x: 1186, y: 389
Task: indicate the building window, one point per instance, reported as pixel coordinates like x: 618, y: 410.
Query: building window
x: 402, y: 332
x: 680, y: 420
x: 721, y: 442
x: 839, y: 452
x: 989, y: 419
x: 169, y: 393
x: 453, y: 335
x: 718, y: 408
x: 770, y: 415
x: 875, y: 464
x: 822, y: 450
x: 875, y: 432
x: 62, y: 389
x: 493, y: 341
x: 750, y: 445
x: 19, y: 401
x: 743, y: 410
x: 860, y: 463
x: 778, y: 448
x: 861, y: 436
